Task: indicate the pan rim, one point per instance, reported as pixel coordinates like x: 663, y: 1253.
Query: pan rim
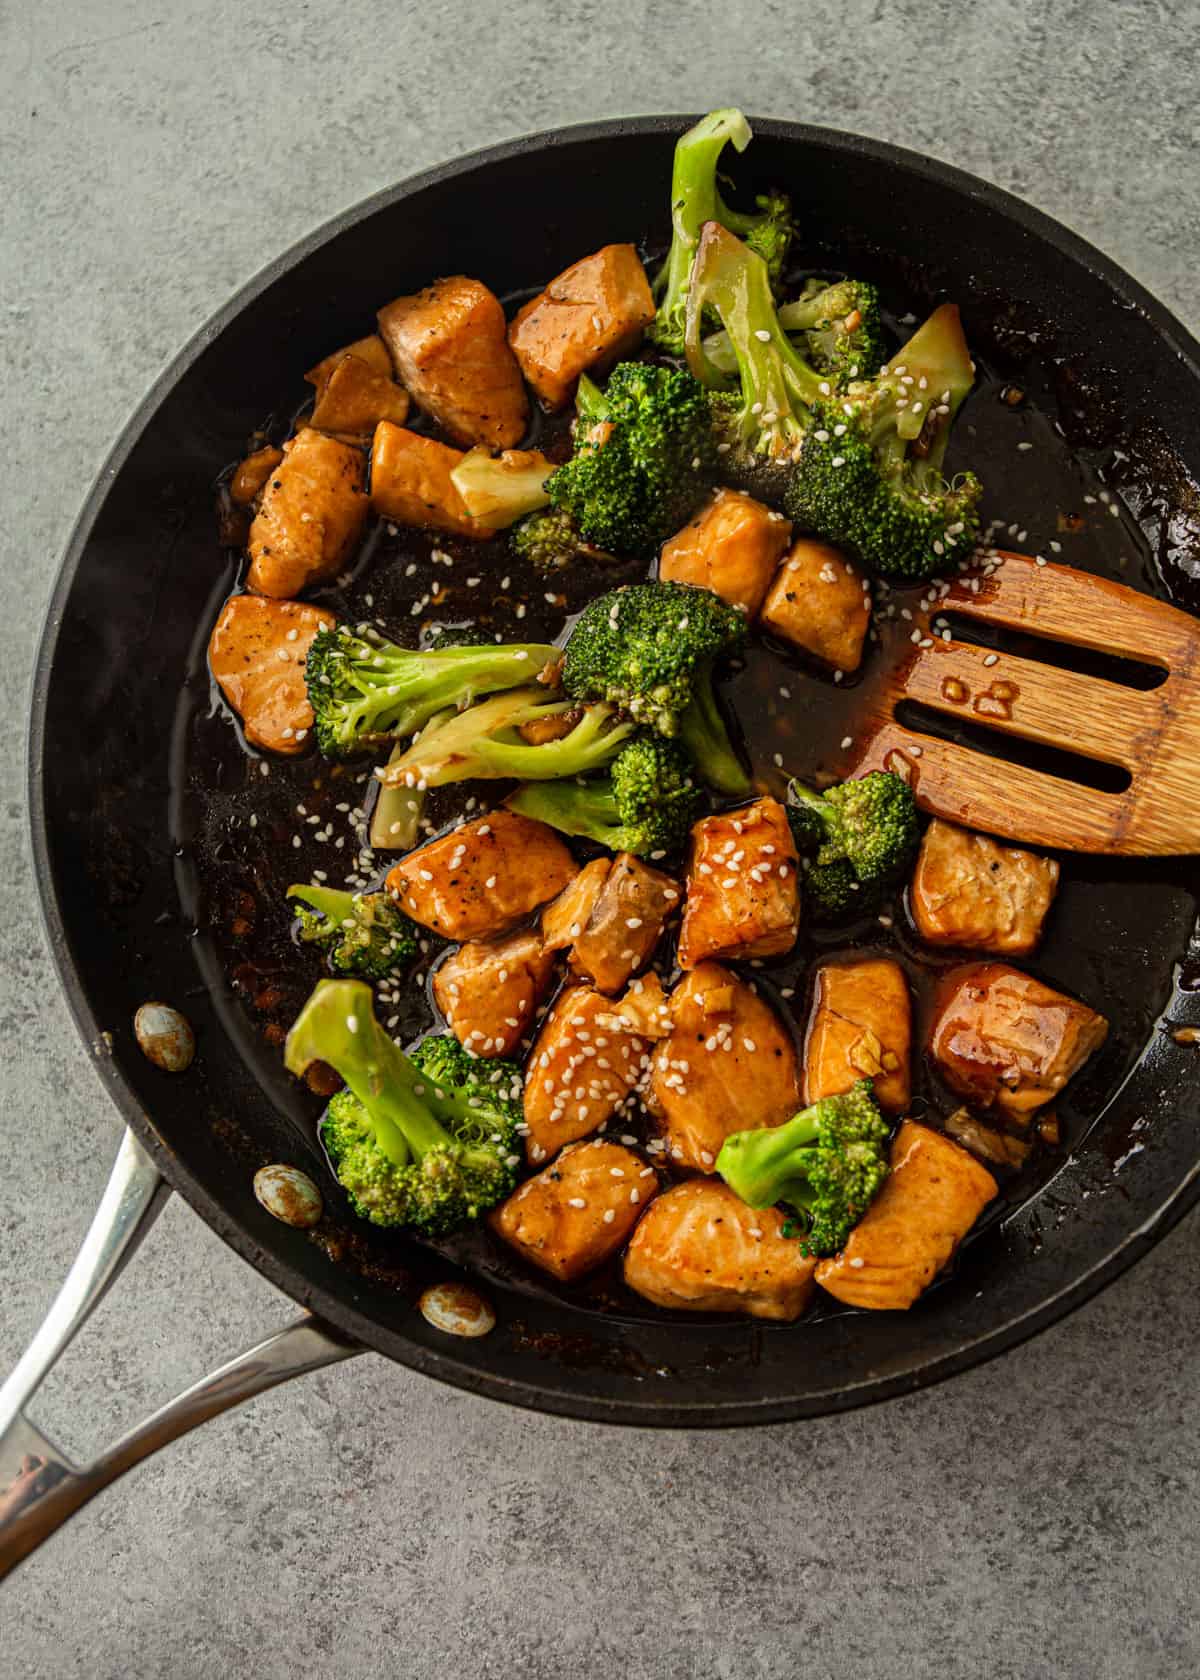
x: 444, y: 1365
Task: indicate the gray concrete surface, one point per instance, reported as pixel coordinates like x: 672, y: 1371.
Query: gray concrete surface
x: 1038, y: 1517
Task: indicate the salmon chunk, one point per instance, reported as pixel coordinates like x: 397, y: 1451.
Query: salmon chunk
x: 861, y: 1027
x: 611, y: 917
x: 488, y: 990
x: 449, y: 343
x: 1001, y: 1038
x: 578, y: 1211
x: 410, y: 482
x: 932, y: 1196
x: 818, y: 604
x: 743, y: 896
x: 727, y: 1066
x: 585, y: 1063
x: 701, y: 1249
x: 732, y: 547
x: 355, y: 398
x: 481, y: 878
x: 592, y: 314
x: 970, y: 890
x: 256, y: 653
x: 251, y: 474
x: 564, y: 921
x: 371, y: 350
x: 313, y: 509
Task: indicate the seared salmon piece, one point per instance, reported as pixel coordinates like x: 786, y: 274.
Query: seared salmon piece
x: 565, y: 919
x: 969, y: 890
x: 489, y: 989
x: 732, y: 546
x: 355, y: 398
x: 449, y: 343
x: 727, y: 1066
x: 256, y: 653
x: 313, y: 509
x: 593, y: 313
x: 1001, y: 1038
x: 251, y: 474
x: 612, y: 917
x: 743, y: 897
x: 701, y: 1249
x: 585, y: 1063
x: 371, y: 350
x: 860, y: 1028
x: 410, y: 482
x: 579, y: 1210
x: 930, y: 1199
x: 818, y: 604
x: 481, y: 878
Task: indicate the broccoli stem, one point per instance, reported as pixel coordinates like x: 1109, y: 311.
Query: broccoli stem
x: 334, y: 904
x: 703, y: 734
x: 695, y: 198
x: 500, y: 489
x: 588, y: 809
x: 482, y: 742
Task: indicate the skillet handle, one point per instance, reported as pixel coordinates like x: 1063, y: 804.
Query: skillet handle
x: 39, y: 1485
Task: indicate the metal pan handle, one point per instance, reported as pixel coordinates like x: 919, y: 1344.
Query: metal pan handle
x: 39, y: 1486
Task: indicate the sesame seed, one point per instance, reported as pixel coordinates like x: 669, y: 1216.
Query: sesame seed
x: 576, y: 1202
x: 847, y: 741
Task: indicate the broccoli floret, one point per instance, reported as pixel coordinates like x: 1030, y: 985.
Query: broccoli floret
x: 869, y: 470
x: 841, y: 327
x: 500, y: 489
x: 864, y: 832
x: 363, y: 934
x: 827, y: 1164
x: 696, y: 199
x: 365, y: 691
x: 487, y: 742
x: 644, y: 805
x: 550, y: 541
x: 644, y: 458
x: 650, y: 649
x: 495, y: 1082
x: 410, y: 1146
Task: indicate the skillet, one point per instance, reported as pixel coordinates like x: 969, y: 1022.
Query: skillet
x: 1116, y: 381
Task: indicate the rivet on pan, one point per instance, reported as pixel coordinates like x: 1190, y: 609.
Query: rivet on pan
x: 165, y: 1037
x: 457, y: 1310
x: 289, y: 1194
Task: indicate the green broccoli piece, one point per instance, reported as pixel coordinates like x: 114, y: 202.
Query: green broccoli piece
x: 869, y: 475
x: 491, y: 1080
x: 550, y: 541
x: 500, y: 489
x: 645, y: 457
x: 841, y: 327
x: 486, y: 742
x: 645, y: 805
x: 864, y: 832
x: 362, y: 934
x: 696, y: 199
x: 827, y: 1164
x: 365, y: 691
x: 650, y: 649
x: 407, y: 1148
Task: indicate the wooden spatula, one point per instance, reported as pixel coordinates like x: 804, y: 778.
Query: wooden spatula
x: 1155, y: 735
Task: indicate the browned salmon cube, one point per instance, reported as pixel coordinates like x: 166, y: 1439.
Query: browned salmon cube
x: 371, y: 350
x: 743, y: 896
x: 355, y: 398
x: 257, y: 652
x: 700, y: 1248
x: 251, y: 474
x: 727, y: 1066
x: 565, y: 919
x: 861, y: 1028
x: 593, y: 313
x: 932, y: 1196
x: 818, y: 604
x: 625, y: 923
x: 410, y: 482
x: 732, y: 546
x: 970, y: 890
x: 579, y: 1210
x: 313, y: 509
x: 449, y: 342
x: 1002, y: 1038
x: 488, y: 990
x: 585, y: 1063
x: 482, y: 877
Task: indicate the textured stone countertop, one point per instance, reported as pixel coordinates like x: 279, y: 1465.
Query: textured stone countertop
x: 1037, y: 1517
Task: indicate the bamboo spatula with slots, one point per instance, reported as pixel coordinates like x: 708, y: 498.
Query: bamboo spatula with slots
x: 1154, y: 734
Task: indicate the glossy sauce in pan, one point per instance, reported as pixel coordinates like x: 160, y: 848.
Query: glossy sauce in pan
x: 1117, y: 932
